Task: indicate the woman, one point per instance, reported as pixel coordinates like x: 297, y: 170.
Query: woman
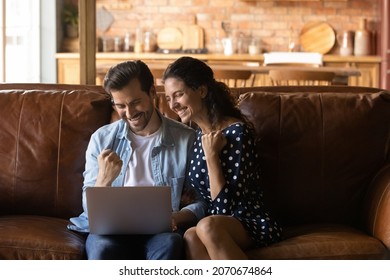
x: 223, y: 165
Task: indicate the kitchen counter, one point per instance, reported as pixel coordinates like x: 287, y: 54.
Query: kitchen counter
x: 210, y: 57
x: 68, y: 67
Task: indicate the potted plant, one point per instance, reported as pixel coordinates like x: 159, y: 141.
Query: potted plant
x: 71, y: 20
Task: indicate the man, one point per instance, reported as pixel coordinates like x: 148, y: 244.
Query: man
x: 142, y: 148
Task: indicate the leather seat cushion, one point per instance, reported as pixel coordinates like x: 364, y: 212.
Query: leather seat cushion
x: 322, y: 241
x: 39, y: 238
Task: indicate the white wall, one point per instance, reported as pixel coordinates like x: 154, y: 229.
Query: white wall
x: 49, y: 29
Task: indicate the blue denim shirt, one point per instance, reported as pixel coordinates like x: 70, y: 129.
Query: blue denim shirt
x: 169, y: 162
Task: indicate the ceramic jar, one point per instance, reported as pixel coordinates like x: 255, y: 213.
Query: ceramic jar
x: 362, y: 42
x: 346, y: 39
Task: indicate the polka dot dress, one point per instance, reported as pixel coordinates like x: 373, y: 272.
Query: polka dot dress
x: 241, y: 196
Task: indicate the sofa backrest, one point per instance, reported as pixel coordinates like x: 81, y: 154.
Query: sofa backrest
x: 44, y: 132
x: 320, y: 148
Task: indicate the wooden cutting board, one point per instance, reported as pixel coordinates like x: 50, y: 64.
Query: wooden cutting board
x: 317, y: 36
x: 193, y: 37
x: 170, y: 38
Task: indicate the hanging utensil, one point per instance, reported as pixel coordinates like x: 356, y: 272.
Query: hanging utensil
x: 226, y: 27
x: 104, y: 19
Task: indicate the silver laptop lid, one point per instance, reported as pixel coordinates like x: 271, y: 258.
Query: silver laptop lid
x: 129, y: 210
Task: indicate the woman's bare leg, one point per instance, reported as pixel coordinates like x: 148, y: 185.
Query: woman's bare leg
x: 224, y: 237
x: 194, y: 248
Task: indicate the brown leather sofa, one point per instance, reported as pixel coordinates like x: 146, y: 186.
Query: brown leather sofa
x: 325, y: 160
x: 44, y: 132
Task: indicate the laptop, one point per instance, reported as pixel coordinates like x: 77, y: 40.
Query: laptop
x: 129, y: 210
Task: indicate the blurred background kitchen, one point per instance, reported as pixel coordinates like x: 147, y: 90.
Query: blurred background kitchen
x: 273, y: 24
x: 346, y: 32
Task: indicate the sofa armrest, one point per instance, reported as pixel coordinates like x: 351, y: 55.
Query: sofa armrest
x: 377, y: 210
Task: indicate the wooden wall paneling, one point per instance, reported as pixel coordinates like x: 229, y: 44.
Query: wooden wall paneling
x: 87, y: 25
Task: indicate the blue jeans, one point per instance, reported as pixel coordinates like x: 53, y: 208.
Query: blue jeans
x: 162, y: 246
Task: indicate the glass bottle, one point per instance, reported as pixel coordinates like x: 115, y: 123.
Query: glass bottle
x: 139, y: 42
x: 127, y: 42
x: 149, y: 42
x: 118, y: 44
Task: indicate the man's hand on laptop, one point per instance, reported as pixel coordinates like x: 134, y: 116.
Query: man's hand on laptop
x: 110, y: 166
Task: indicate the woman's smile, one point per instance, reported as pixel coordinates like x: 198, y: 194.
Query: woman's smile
x: 181, y: 111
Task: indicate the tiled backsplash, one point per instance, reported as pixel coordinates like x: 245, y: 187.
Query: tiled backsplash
x: 272, y: 22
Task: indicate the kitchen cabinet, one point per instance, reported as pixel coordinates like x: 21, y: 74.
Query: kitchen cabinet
x: 68, y: 69
x: 369, y: 66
